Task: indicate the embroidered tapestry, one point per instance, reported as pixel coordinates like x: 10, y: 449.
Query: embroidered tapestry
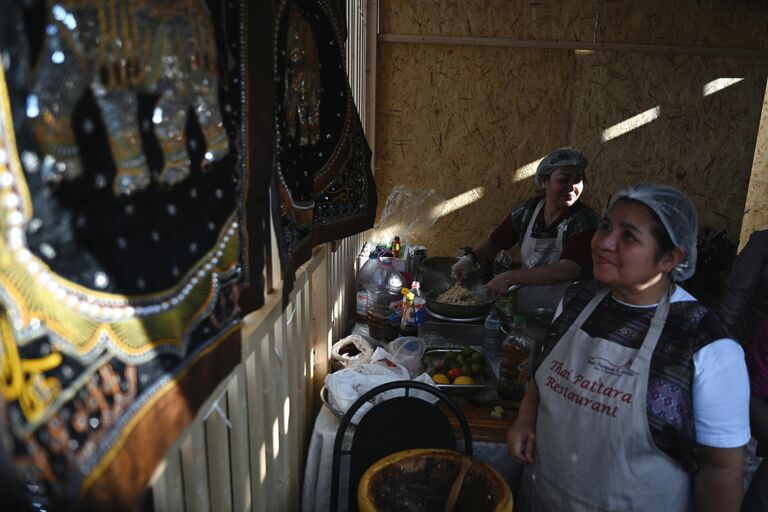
x: 122, y: 171
x: 324, y: 181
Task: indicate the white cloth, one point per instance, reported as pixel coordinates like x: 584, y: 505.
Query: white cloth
x: 536, y: 252
x: 720, y: 388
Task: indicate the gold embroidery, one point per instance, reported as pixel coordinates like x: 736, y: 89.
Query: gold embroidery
x: 23, y: 379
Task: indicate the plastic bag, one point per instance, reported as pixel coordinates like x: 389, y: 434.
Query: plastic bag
x: 408, y: 351
x: 409, y: 213
x: 347, y: 385
x: 351, y: 351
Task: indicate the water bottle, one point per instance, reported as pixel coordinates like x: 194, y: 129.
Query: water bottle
x: 363, y: 276
x: 384, y: 301
x: 491, y: 339
x: 515, y: 352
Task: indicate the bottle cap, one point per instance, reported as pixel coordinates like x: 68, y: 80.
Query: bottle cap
x: 415, y: 284
x: 405, y: 291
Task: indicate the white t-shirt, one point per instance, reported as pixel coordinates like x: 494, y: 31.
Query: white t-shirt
x: 720, y: 388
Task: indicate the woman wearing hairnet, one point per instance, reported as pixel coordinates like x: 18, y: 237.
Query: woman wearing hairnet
x: 639, y: 399
x: 553, y: 230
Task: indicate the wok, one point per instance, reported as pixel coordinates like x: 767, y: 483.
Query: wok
x: 436, y: 279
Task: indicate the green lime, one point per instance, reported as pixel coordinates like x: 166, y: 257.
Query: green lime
x: 477, y: 368
x: 453, y: 364
x: 477, y: 357
x: 460, y: 358
x: 450, y: 355
x: 466, y: 351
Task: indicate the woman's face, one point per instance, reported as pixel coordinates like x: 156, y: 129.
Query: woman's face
x: 624, y: 249
x: 564, y: 187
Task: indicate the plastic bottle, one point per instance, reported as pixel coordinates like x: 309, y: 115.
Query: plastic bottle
x: 515, y: 350
x: 363, y: 276
x: 413, y: 310
x: 408, y: 325
x: 384, y: 301
x: 396, y: 246
x: 491, y: 339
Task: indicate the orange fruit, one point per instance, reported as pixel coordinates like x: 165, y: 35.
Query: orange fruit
x: 441, y: 378
x: 463, y: 380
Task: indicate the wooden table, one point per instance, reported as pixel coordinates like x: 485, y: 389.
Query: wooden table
x: 484, y: 427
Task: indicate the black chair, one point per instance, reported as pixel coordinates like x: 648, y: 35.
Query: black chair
x: 401, y: 423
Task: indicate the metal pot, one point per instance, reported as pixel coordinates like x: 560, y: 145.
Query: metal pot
x: 436, y: 279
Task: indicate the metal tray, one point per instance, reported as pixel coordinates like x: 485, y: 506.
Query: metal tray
x: 488, y: 377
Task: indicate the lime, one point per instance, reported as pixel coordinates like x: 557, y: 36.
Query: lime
x: 477, y: 357
x: 477, y: 368
x: 466, y: 351
x: 450, y: 355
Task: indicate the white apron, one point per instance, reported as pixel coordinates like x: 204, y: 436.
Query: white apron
x: 594, y: 450
x: 534, y: 253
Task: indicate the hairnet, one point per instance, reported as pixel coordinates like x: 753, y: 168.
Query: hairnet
x: 561, y: 157
x: 678, y: 215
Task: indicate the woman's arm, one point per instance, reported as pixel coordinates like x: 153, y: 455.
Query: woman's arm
x: 718, y: 481
x: 521, y: 437
x: 743, y: 278
x: 552, y: 273
x: 485, y: 249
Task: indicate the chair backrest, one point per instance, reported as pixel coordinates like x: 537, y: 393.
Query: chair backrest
x: 396, y: 424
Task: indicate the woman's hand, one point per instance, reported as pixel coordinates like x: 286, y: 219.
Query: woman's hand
x: 461, y: 268
x: 521, y: 439
x: 501, y: 283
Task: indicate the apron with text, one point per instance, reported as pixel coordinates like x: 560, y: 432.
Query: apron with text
x: 594, y: 449
x: 536, y: 252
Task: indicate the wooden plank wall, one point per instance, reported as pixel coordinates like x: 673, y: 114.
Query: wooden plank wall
x: 245, y: 450
x: 492, y: 85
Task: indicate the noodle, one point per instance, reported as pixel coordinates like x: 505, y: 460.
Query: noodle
x: 458, y: 296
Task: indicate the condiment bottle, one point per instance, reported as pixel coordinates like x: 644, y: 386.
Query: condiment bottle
x: 408, y: 323
x: 396, y: 246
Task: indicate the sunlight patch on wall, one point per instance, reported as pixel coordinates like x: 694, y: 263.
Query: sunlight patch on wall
x: 275, y: 439
x: 458, y: 202
x: 286, y: 414
x: 718, y: 85
x: 263, y: 462
x: 528, y: 170
x: 630, y: 124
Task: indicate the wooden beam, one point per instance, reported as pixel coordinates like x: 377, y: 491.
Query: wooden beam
x: 498, y: 42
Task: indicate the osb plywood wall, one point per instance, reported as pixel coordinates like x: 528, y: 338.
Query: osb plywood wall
x: 466, y: 118
x: 756, y: 217
x: 455, y: 119
x: 706, y: 23
x: 703, y: 145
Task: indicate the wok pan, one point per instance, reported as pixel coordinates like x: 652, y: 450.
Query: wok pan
x: 436, y: 279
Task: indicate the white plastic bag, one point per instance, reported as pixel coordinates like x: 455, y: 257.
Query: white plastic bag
x: 343, y: 356
x: 408, y: 351
x: 347, y: 385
